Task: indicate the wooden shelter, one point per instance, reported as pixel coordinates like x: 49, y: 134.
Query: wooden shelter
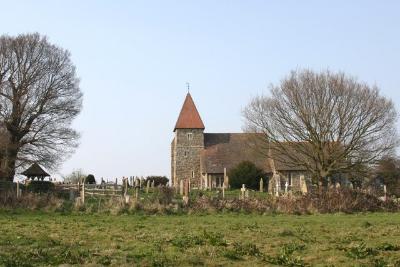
x: 35, y: 171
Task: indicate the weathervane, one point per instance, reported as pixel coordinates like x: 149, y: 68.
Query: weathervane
x: 188, y: 86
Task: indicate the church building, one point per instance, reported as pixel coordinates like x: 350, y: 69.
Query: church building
x: 205, y: 158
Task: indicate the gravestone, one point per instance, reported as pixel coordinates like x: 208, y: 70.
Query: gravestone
x: 243, y: 190
x: 384, y: 191
x: 303, y: 185
x: 181, y: 187
x: 147, y: 186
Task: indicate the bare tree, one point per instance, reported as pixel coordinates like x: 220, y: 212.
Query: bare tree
x: 39, y: 98
x: 76, y: 176
x: 325, y: 122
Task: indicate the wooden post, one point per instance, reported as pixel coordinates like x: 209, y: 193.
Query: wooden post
x: 261, y: 185
x: 83, y: 193
x: 225, y: 176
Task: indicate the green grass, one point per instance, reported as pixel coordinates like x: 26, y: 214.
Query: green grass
x: 34, y: 238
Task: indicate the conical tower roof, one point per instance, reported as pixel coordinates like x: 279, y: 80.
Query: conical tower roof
x: 189, y: 118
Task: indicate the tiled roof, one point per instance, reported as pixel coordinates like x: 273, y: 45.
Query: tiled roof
x: 226, y: 150
x: 189, y: 117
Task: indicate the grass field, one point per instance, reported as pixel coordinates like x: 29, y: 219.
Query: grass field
x: 36, y: 238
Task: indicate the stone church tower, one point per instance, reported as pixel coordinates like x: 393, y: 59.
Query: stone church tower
x: 187, y: 145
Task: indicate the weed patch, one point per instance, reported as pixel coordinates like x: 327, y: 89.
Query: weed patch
x: 359, y: 251
x: 285, y: 257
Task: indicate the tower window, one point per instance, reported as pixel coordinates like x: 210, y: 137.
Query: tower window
x: 190, y: 136
x: 192, y: 174
x: 185, y: 153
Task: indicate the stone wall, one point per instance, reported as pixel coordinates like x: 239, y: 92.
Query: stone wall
x: 185, y: 156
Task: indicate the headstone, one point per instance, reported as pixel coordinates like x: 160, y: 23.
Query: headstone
x: 142, y: 181
x: 137, y: 193
x: 246, y: 194
x: 137, y: 183
x: 286, y: 187
x: 303, y: 185
x: 384, y: 191
x: 243, y: 190
x: 181, y: 187
x: 147, y: 186
x: 351, y: 186
x: 126, y: 186
x: 261, y: 185
x: 277, y: 189
x: 127, y: 199
x: 225, y: 182
x: 337, y: 185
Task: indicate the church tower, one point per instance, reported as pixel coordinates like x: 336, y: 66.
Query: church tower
x: 187, y: 145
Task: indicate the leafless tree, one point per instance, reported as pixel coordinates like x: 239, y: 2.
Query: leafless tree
x: 39, y: 98
x: 75, y: 176
x: 324, y: 122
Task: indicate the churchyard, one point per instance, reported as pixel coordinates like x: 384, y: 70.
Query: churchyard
x: 147, y: 225
x: 229, y: 239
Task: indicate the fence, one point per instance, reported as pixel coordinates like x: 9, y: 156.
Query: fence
x: 79, y: 192
x: 82, y: 190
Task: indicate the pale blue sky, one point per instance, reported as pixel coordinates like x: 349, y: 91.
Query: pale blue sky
x: 134, y: 58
